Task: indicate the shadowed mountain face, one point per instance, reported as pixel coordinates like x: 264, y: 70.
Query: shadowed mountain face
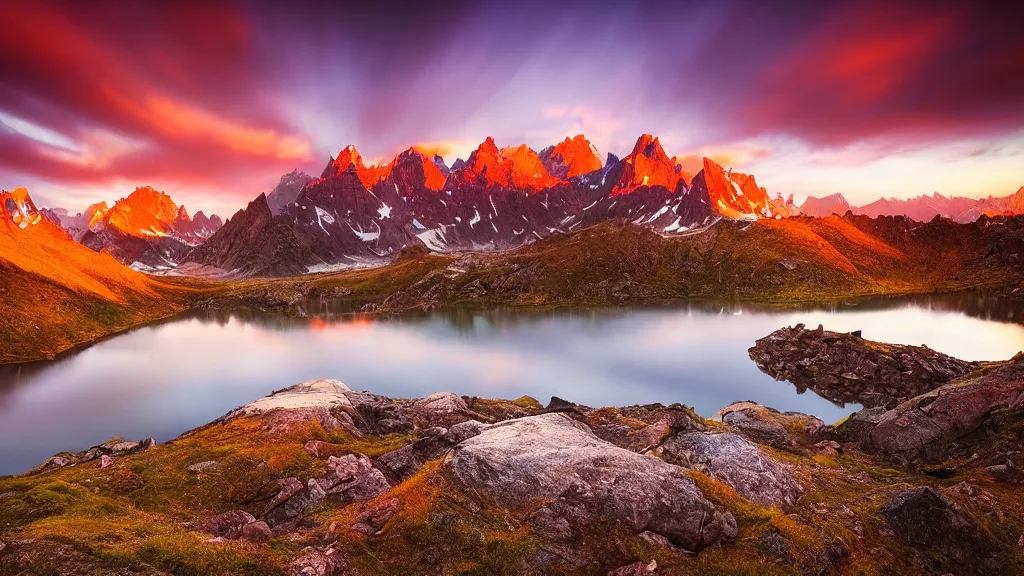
x: 496, y: 199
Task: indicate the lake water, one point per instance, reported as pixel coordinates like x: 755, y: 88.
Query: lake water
x: 164, y: 379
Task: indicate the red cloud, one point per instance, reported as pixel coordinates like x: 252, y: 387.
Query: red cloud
x: 170, y: 85
x: 892, y: 69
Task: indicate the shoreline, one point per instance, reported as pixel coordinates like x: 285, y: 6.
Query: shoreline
x: 318, y: 472
x: 211, y: 304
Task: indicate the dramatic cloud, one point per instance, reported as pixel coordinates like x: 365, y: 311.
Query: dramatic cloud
x: 213, y: 101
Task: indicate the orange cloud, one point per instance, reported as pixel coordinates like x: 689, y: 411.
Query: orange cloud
x: 734, y: 156
x: 180, y: 120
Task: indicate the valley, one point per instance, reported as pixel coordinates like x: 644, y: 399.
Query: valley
x: 796, y: 259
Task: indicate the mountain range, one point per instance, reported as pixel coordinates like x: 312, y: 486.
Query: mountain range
x: 356, y: 214
x: 921, y: 208
x: 146, y: 229
x: 58, y: 293
x: 496, y: 199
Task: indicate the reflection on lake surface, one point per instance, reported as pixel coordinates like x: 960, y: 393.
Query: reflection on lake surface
x: 164, y: 379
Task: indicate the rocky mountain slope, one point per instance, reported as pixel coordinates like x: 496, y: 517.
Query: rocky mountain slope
x: 495, y: 200
x: 57, y: 293
x: 921, y: 208
x: 287, y: 190
x: 788, y: 260
x: 320, y: 479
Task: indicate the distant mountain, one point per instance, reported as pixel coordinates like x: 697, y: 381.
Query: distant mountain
x: 77, y: 224
x: 922, y: 208
x: 496, y: 199
x: 146, y: 229
x: 827, y: 206
x: 286, y: 190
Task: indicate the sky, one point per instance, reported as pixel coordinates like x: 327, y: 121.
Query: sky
x: 213, y: 101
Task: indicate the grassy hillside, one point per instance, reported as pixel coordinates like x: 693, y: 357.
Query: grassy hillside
x: 56, y: 294
x: 791, y: 260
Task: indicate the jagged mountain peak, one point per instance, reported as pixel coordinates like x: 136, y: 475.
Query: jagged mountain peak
x: 17, y: 208
x: 649, y: 146
x: 527, y: 170
x: 287, y: 189
x: 412, y: 168
x: 349, y: 160
x: 144, y: 212
x: 733, y: 194
x: 647, y: 165
x: 571, y: 157
x: 439, y: 162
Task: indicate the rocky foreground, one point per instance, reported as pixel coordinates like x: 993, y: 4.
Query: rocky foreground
x: 319, y: 479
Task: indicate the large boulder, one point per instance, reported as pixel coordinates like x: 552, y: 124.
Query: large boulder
x: 845, y: 368
x: 555, y: 459
x: 229, y: 524
x: 730, y: 458
x: 352, y: 478
x: 318, y: 562
x: 441, y: 402
x: 764, y: 425
x: 928, y: 425
x: 322, y: 400
x: 637, y: 428
x: 928, y: 521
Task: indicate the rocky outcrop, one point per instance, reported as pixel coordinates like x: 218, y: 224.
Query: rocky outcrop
x: 322, y: 400
x: 314, y: 561
x: 846, y: 368
x: 286, y: 190
x: 108, y: 450
x: 236, y: 524
x: 783, y: 430
x: 929, y: 425
x: 375, y: 515
x: 729, y: 458
x: 555, y: 459
x: 405, y: 461
x: 443, y: 402
x: 350, y: 478
x: 562, y: 489
x: 931, y: 523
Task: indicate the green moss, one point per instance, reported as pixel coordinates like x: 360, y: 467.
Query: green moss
x: 528, y: 402
x: 190, y: 555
